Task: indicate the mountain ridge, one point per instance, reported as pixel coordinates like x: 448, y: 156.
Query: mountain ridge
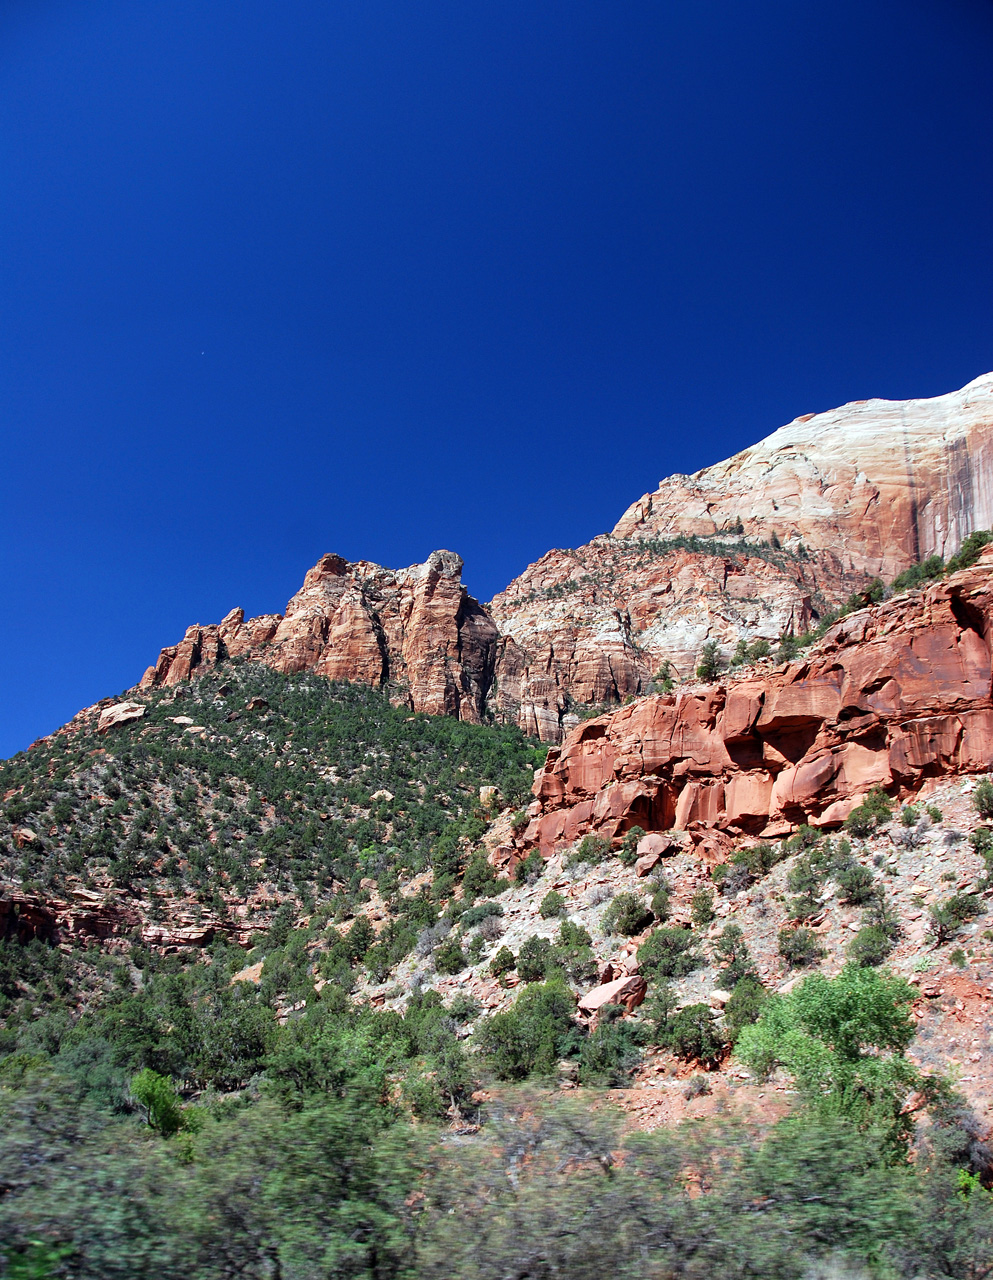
x: 762, y: 544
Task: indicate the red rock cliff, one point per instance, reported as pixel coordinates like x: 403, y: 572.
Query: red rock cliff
x: 891, y: 696
x: 417, y: 629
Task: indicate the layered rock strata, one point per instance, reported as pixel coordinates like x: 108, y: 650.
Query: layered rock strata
x: 800, y: 520
x: 417, y: 630
x: 790, y: 527
x: 594, y: 625
x: 876, y: 485
x: 891, y: 696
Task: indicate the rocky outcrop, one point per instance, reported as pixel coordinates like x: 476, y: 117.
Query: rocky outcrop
x: 594, y: 625
x: 875, y: 485
x: 751, y: 548
x: 790, y: 526
x: 891, y: 696
x: 416, y: 630
x: 119, y: 713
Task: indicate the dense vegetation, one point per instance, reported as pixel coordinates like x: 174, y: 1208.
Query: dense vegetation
x: 235, y: 1110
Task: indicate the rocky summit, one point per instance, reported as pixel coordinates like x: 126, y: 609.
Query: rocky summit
x: 694, y: 822
x: 766, y: 544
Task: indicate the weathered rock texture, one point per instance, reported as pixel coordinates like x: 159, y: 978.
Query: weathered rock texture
x: 877, y: 484
x: 891, y: 696
x: 861, y: 491
x: 795, y: 524
x: 594, y: 624
x: 417, y: 630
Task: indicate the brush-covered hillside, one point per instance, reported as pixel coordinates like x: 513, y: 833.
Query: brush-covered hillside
x: 268, y: 1008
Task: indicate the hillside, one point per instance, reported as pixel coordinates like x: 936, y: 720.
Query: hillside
x: 298, y: 980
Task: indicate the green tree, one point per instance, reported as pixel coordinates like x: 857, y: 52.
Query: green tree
x: 843, y: 1040
x: 709, y: 665
x: 156, y: 1096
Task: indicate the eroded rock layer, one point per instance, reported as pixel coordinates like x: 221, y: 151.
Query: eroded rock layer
x: 416, y: 629
x: 891, y: 696
x: 877, y: 484
x: 791, y: 526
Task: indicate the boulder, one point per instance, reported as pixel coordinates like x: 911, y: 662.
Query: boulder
x: 119, y: 713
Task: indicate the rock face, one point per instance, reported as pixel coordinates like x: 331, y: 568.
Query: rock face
x: 416, y: 630
x: 875, y: 485
x: 790, y: 527
x: 891, y: 696
x: 593, y: 625
x: 119, y: 713
x: 837, y: 498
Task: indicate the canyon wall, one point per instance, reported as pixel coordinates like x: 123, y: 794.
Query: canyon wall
x: 751, y: 548
x: 874, y: 485
x: 891, y: 696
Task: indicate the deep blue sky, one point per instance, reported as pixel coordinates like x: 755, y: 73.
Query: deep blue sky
x: 285, y: 278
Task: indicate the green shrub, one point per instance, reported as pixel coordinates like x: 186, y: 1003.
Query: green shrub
x: 590, y: 850
x: 609, y: 1055
x: 982, y: 798
x: 532, y: 1036
x: 924, y: 571
x: 480, y: 879
x: 629, y: 846
x: 909, y: 815
x: 702, y: 906
x: 693, y: 1034
x: 874, y: 811
x: 476, y: 915
x: 668, y: 953
x: 969, y: 551
x: 744, y: 1006
x: 627, y: 915
x: 709, y: 665
x: 449, y: 957
x: 731, y: 950
x: 552, y: 904
x: 957, y: 959
x: 534, y: 958
x: 858, y: 884
x: 870, y: 946
x: 503, y: 962
x: 799, y: 947
x: 661, y: 895
x: 948, y: 917
x: 933, y: 812
x: 843, y: 1041
x: 574, y: 952
x: 156, y: 1096
x: 530, y: 868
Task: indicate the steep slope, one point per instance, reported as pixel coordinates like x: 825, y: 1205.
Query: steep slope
x: 874, y: 485
x: 891, y: 696
x: 762, y: 545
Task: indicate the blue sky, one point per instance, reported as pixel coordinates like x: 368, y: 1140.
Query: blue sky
x: 376, y: 278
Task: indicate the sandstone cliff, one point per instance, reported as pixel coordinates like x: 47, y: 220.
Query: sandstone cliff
x: 800, y: 520
x: 874, y: 485
x: 752, y: 548
x: 417, y: 630
x: 892, y: 696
